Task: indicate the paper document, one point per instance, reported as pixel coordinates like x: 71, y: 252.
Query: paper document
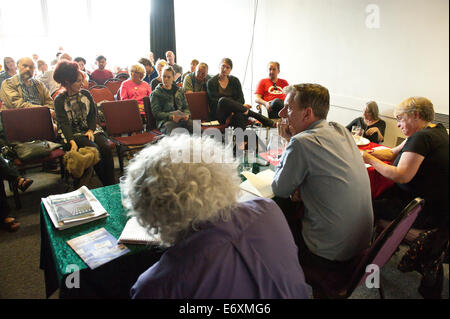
x: 379, y: 148
x: 134, y: 233
x: 212, y: 123
x: 259, y: 184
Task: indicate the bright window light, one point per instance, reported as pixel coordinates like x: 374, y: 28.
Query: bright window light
x: 85, y: 28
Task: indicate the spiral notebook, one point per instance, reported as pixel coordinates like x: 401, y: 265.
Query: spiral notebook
x: 134, y: 233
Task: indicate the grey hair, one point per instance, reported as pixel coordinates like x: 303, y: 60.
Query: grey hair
x: 419, y: 104
x: 176, y: 197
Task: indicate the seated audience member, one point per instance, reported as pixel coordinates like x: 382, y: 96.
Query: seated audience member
x: 22, y: 90
x: 160, y: 64
x: 100, y: 75
x: 269, y: 92
x: 82, y: 64
x: 76, y: 114
x: 10, y: 69
x: 10, y: 174
x: 196, y: 81
x: 151, y: 57
x: 225, y: 97
x: 42, y: 67
x: 322, y: 167
x: 420, y: 166
x: 372, y: 125
x: 47, y: 77
x: 169, y: 105
x: 170, y: 57
x: 219, y: 248
x: 194, y: 64
x: 135, y: 88
x: 150, y: 70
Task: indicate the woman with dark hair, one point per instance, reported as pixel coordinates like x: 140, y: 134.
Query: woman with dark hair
x: 226, y: 97
x: 10, y: 69
x: 76, y: 114
x: 370, y: 122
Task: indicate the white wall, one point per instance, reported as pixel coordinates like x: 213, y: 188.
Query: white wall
x: 327, y: 42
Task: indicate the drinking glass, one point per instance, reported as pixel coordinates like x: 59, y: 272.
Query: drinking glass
x: 247, y: 160
x: 276, y: 146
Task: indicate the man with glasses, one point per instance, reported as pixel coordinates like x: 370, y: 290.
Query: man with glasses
x: 269, y: 92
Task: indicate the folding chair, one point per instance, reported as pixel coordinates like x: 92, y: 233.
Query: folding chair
x: 113, y: 85
x: 101, y: 93
x: 151, y: 122
x: 27, y: 124
x: 199, y: 108
x: 123, y: 118
x: 122, y: 76
x: 341, y: 284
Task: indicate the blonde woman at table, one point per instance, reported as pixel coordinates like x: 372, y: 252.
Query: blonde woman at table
x: 371, y: 123
x: 220, y: 248
x: 420, y: 166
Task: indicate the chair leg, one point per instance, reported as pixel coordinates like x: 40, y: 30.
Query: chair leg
x: 119, y: 155
x: 381, y: 290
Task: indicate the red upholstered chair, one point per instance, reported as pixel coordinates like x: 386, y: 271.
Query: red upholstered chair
x: 101, y: 93
x: 123, y: 118
x: 113, y: 85
x: 27, y: 124
x: 122, y: 76
x: 199, y: 108
x: 151, y: 122
x: 342, y: 283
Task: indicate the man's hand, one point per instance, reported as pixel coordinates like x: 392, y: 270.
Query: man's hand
x: 90, y: 135
x: 283, y: 131
x: 296, y: 196
x: 74, y: 146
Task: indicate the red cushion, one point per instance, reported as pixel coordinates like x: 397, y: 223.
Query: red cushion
x: 138, y: 139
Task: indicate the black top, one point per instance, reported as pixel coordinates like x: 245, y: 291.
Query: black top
x: 75, y: 114
x: 212, y: 87
x: 154, y: 83
x: 431, y: 179
x: 374, y: 137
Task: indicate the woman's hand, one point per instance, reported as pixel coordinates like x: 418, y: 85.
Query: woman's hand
x: 247, y: 106
x: 367, y: 156
x: 372, y: 131
x: 90, y: 135
x: 74, y: 146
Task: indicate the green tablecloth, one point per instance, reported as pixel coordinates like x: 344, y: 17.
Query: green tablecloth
x: 56, y: 255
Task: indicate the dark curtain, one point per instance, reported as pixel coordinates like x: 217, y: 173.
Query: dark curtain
x: 162, y: 28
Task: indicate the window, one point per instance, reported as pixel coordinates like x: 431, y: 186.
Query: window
x: 87, y: 28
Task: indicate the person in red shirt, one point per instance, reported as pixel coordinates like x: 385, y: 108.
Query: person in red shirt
x: 269, y: 92
x: 101, y: 74
x: 135, y: 88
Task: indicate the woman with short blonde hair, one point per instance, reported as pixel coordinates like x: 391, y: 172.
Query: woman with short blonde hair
x: 219, y: 248
x: 420, y: 166
x: 135, y: 88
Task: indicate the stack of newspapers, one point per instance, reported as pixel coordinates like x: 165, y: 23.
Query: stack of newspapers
x: 74, y: 208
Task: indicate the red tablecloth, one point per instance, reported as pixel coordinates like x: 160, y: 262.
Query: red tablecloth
x: 378, y: 183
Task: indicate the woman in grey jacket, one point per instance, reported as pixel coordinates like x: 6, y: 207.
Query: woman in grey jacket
x: 169, y: 105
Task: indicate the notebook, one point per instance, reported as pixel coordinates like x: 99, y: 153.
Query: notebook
x: 133, y: 233
x: 259, y: 184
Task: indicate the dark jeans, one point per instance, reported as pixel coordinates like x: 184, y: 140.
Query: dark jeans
x: 169, y: 126
x: 291, y: 211
x: 11, y: 175
x: 226, y: 106
x: 104, y: 168
x: 391, y: 202
x: 276, y: 106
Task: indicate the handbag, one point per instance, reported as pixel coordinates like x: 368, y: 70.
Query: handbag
x: 37, y: 149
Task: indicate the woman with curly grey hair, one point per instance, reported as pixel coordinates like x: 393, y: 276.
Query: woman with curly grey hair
x: 220, y: 248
